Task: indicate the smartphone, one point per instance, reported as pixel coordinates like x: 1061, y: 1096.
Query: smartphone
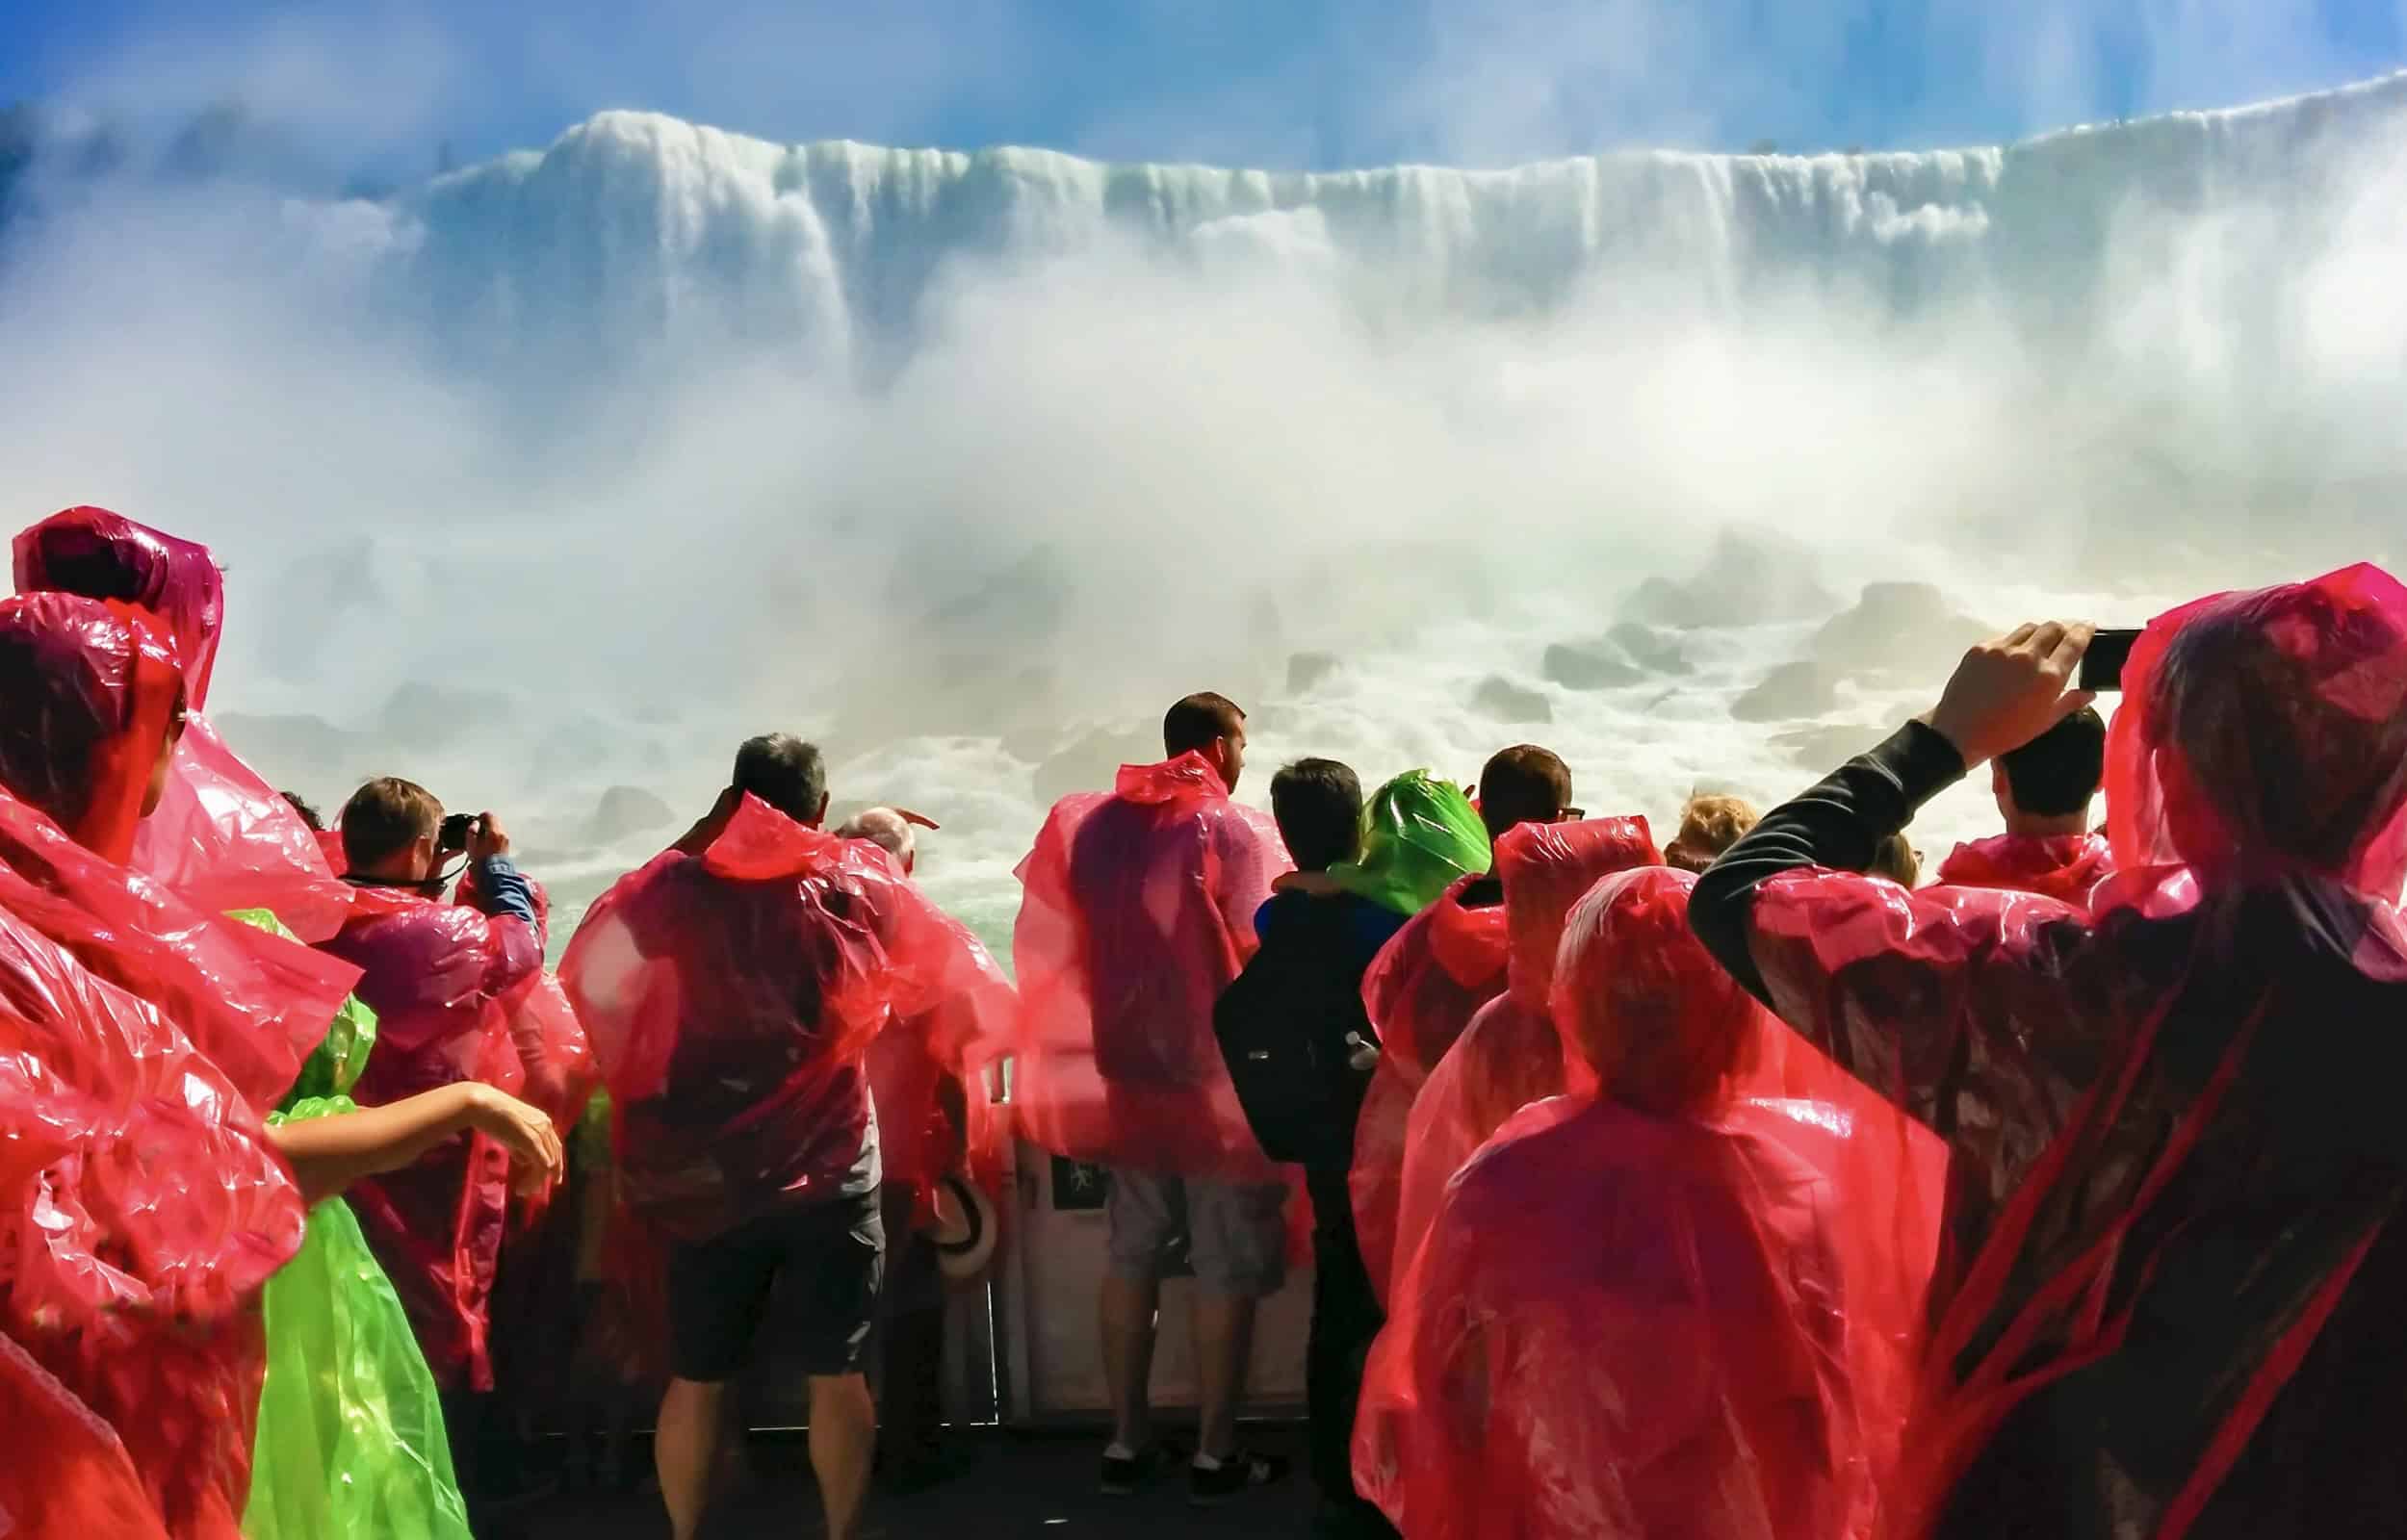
x: 2102, y: 666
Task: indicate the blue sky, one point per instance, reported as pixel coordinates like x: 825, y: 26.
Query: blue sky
x: 1280, y: 83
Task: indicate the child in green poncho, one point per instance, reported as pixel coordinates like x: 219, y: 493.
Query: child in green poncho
x: 350, y: 1440
x: 1419, y: 835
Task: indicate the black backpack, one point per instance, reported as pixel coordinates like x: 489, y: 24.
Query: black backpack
x: 1283, y: 1026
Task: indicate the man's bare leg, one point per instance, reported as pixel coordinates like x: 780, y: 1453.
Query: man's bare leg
x: 1128, y: 1312
x: 1224, y: 1349
x: 844, y: 1437
x: 686, y: 1450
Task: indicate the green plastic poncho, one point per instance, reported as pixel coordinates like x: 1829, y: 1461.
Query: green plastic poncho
x: 1419, y: 835
x: 351, y: 1443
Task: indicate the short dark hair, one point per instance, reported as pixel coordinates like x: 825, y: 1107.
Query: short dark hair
x: 385, y: 818
x: 1523, y: 785
x: 308, y: 811
x: 1199, y: 722
x: 1318, y: 803
x: 2057, y: 773
x: 785, y: 772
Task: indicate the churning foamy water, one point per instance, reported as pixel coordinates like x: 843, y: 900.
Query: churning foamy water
x: 548, y: 481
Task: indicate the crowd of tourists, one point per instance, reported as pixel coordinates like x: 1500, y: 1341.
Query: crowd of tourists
x: 1738, y: 1186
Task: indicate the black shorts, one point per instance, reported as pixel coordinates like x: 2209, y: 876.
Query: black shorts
x: 829, y: 1258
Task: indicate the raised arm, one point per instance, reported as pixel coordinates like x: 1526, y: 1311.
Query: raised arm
x: 1924, y: 996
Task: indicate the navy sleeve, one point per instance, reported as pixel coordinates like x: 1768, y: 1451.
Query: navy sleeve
x: 501, y: 888
x: 1837, y: 825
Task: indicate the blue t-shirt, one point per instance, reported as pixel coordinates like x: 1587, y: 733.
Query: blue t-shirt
x: 1367, y: 927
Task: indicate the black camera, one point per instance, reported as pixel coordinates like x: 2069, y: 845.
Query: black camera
x: 453, y: 840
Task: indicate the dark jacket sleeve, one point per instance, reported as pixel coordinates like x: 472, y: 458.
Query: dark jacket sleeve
x: 1837, y: 825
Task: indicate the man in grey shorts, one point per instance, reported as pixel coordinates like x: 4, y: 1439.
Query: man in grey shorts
x: 1235, y: 1233
x: 1139, y: 910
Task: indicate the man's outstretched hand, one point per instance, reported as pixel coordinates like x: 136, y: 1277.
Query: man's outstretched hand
x: 2008, y: 691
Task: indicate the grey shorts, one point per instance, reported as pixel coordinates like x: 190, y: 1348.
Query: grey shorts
x: 1234, y: 1233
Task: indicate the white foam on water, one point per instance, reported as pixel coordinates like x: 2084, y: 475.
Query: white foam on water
x: 661, y: 436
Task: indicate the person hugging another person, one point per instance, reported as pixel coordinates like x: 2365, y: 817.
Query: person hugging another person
x: 153, y: 1053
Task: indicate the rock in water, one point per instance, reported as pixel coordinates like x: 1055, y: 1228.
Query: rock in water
x: 1588, y: 666
x: 1307, y: 669
x: 1790, y: 691
x: 626, y: 811
x: 1747, y: 581
x: 1651, y: 649
x: 1503, y: 701
x: 1899, y: 627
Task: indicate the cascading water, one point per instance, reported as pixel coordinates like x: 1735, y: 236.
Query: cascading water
x: 564, y: 472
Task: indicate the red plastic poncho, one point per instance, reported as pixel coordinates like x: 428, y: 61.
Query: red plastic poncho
x: 1632, y: 1315
x: 141, y: 1207
x: 731, y: 994
x: 2065, y: 867
x: 439, y: 977
x: 1511, y: 1055
x: 553, y: 1055
x: 139, y: 1218
x: 1421, y: 993
x: 88, y: 690
x: 2171, y: 1303
x: 909, y: 1062
x: 85, y: 1484
x: 221, y: 836
x: 1137, y: 910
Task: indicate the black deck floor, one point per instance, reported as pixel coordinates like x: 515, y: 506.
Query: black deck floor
x: 1021, y: 1487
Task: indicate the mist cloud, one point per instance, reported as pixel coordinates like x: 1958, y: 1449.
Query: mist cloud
x: 1101, y: 469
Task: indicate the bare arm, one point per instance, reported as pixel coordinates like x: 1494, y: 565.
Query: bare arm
x: 329, y: 1154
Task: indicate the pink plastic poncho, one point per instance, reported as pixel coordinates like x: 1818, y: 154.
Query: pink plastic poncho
x: 440, y: 978
x: 221, y: 836
x: 140, y: 1208
x: 1511, y: 1055
x: 89, y: 691
x: 2169, y: 1304
x: 553, y: 1054
x: 732, y: 993
x: 1421, y: 993
x: 139, y: 1228
x: 912, y: 1058
x: 1137, y: 910
x: 1632, y: 1316
x: 2065, y: 867
x: 85, y: 1483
